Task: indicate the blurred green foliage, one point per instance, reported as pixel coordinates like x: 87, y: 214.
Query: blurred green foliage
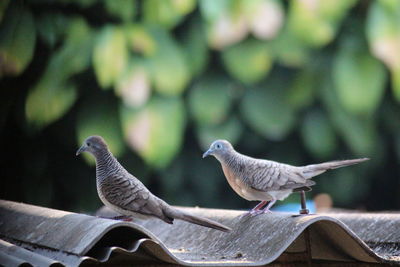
x: 292, y: 81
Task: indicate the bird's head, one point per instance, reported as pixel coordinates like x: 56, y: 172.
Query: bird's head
x: 92, y: 144
x: 218, y: 149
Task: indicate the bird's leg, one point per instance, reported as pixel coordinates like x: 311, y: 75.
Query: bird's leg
x: 270, y: 204
x: 258, y: 207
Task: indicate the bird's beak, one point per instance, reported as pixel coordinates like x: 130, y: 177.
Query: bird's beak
x: 207, y: 153
x: 81, y: 149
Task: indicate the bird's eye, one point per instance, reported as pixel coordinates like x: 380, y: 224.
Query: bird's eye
x: 218, y: 146
x: 88, y: 144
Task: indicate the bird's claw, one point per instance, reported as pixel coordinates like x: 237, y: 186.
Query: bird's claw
x: 255, y: 212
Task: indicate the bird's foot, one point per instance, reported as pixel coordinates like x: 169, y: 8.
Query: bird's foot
x: 266, y: 211
x: 255, y: 212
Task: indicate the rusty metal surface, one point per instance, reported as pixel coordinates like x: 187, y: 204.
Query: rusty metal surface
x: 37, y: 236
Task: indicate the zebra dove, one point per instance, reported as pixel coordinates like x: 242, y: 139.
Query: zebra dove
x: 125, y: 194
x: 264, y: 180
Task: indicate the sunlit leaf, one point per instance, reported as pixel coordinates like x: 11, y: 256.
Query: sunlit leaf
x: 230, y: 130
x: 53, y: 95
x: 47, y: 104
x: 134, y: 85
x: 318, y: 134
x: 140, y: 39
x: 109, y: 55
x: 168, y: 69
x: 195, y: 47
x: 211, y: 9
x: 92, y: 114
x: 124, y: 9
x: 359, y: 78
x: 183, y: 7
x: 17, y: 39
x: 383, y: 32
x: 316, y: 22
x: 225, y: 24
x: 249, y: 61
x: 266, y: 111
x: 167, y: 13
x: 210, y: 100
x: 155, y: 132
x: 265, y: 17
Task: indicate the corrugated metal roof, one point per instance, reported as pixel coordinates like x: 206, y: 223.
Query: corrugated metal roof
x: 37, y: 236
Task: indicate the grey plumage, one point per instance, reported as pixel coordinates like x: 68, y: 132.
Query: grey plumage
x: 124, y: 193
x: 266, y: 180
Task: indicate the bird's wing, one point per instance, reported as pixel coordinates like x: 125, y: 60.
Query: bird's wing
x: 128, y: 193
x: 265, y: 175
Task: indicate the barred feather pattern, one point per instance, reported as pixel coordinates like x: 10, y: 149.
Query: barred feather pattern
x: 124, y: 193
x: 263, y: 175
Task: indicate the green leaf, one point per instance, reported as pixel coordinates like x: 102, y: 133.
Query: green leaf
x: 211, y: 10
x: 134, y: 84
x: 301, y: 93
x: 140, y: 39
x: 383, y: 32
x: 124, y: 9
x: 315, y: 23
x: 267, y: 113
x: 289, y: 50
x: 248, y: 61
x: 265, y: 17
x: 318, y: 134
x: 168, y: 69
x: 359, y: 133
x: 195, y: 48
x: 230, y: 130
x: 45, y: 105
x: 359, y: 78
x: 52, y: 27
x: 226, y: 23
x: 155, y: 132
x: 210, y: 100
x: 92, y: 114
x: 109, y: 55
x: 53, y: 95
x: 167, y: 13
x: 17, y: 39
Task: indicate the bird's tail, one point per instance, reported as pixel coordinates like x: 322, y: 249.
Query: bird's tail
x: 315, y: 169
x: 181, y: 215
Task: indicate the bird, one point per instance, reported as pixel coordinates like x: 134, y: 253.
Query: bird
x: 125, y: 194
x: 265, y: 180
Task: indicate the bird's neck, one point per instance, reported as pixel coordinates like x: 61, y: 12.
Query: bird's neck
x: 231, y: 159
x: 106, y: 164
